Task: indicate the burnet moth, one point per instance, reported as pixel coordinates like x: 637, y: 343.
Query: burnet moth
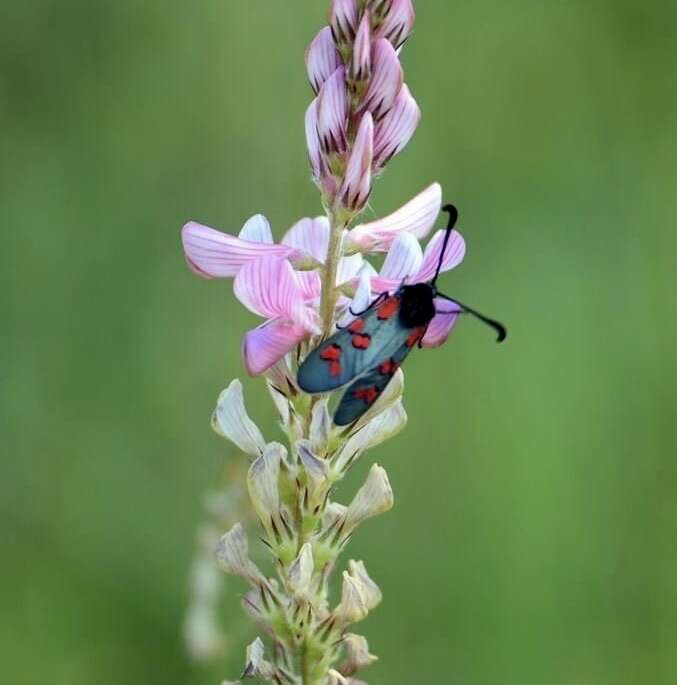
x: 368, y: 351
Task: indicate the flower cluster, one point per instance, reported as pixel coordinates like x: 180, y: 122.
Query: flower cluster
x: 361, y: 117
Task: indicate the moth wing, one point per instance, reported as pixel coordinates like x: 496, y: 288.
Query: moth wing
x: 362, y: 394
x: 349, y: 353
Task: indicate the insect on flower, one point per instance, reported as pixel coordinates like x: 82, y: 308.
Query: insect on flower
x: 368, y: 351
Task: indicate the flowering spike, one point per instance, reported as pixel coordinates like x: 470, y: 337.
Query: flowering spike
x: 357, y: 184
x: 386, y: 81
x: 322, y: 58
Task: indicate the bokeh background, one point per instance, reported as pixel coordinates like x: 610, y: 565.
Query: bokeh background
x: 534, y: 538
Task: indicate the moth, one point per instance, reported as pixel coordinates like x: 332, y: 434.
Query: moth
x: 367, y: 353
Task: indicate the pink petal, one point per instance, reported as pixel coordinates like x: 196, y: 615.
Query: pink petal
x: 386, y: 79
x: 213, y: 254
x: 417, y: 217
x: 398, y: 23
x: 453, y: 255
x: 403, y: 261
x: 269, y: 287
x: 322, y: 58
x: 349, y: 268
x: 396, y: 128
x: 442, y: 324
x: 357, y: 183
x: 264, y: 346
x: 310, y: 236
x: 313, y: 139
x: 360, y: 65
x: 343, y: 20
x: 257, y: 229
x: 332, y: 113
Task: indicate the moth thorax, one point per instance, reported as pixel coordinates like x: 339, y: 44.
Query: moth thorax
x: 417, y: 307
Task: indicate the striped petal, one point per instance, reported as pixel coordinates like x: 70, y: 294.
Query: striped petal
x: 269, y: 287
x: 264, y: 346
x: 213, y: 254
x: 313, y: 139
x: 386, y: 79
x: 416, y: 217
x: 453, y: 255
x: 402, y: 263
x: 310, y: 236
x: 257, y: 229
x: 442, y: 324
x: 396, y: 128
x: 322, y: 58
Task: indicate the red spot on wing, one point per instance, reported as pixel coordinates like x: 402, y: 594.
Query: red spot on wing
x: 415, y: 336
x: 388, y: 367
x: 361, y: 342
x: 388, y: 308
x: 356, y: 326
x: 332, y: 354
x: 368, y: 395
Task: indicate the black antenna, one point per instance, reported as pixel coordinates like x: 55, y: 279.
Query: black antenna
x: 500, y: 329
x: 453, y: 217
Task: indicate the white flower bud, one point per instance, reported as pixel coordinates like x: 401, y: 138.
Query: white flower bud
x: 320, y: 425
x: 373, y: 498
x: 257, y: 666
x: 353, y: 607
x: 357, y: 654
x: 316, y: 470
x: 370, y: 591
x: 301, y: 572
x: 230, y: 419
x: 232, y: 553
x: 262, y: 481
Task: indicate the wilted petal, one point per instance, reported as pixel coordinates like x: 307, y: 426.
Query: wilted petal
x: 322, y: 58
x: 301, y: 572
x: 373, y: 498
x: 266, y: 345
x: 335, y: 678
x: 257, y: 666
x: 398, y: 23
x: 370, y: 591
x: 231, y: 420
x: 232, y: 553
x: 257, y: 230
x: 357, y: 654
x: 396, y: 128
x: 313, y: 139
x: 360, y: 65
x: 453, y: 255
x: 353, y: 607
x: 262, y: 481
x: 310, y: 236
x: 386, y: 79
x: 357, y: 183
x: 320, y: 425
x: 416, y: 217
x: 213, y: 254
x: 269, y: 287
x: 442, y: 324
x: 332, y: 112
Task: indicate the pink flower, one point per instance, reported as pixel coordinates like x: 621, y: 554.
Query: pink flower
x: 416, y: 217
x: 407, y: 263
x: 357, y: 182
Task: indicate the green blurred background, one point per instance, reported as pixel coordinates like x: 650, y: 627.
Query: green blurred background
x: 533, y: 539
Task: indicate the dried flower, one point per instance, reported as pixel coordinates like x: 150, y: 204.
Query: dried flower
x: 373, y: 498
x: 230, y: 419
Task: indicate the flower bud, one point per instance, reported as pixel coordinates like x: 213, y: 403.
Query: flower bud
x: 398, y: 22
x: 352, y: 607
x: 230, y: 419
x: 301, y: 572
x: 343, y: 21
x: 320, y: 426
x: 386, y: 80
x: 332, y: 113
x: 257, y: 666
x: 357, y: 654
x: 322, y: 59
x: 396, y: 128
x: 313, y: 139
x: 357, y: 182
x: 370, y: 591
x: 316, y: 471
x: 360, y: 64
x: 373, y: 498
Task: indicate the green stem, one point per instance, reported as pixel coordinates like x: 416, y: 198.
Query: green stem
x: 329, y: 294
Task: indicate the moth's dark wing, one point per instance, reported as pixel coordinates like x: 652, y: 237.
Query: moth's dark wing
x: 361, y: 394
x: 344, y: 356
